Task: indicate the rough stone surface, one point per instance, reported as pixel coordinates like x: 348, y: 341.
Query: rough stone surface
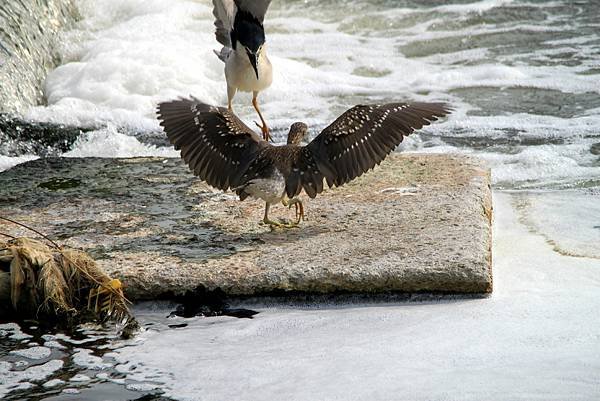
x: 416, y: 223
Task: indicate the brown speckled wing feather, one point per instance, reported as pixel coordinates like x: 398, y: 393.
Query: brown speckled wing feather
x: 215, y: 144
x: 356, y: 142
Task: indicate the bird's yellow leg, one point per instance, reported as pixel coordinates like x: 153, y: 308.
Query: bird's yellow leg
x: 277, y: 224
x: 230, y: 94
x: 299, y: 208
x: 263, y: 127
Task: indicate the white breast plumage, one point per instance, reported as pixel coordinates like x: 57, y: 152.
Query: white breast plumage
x: 240, y: 74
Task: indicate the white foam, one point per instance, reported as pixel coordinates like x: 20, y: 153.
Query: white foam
x: 126, y: 66
x: 80, y: 378
x: 53, y: 383
x: 142, y: 387
x: 110, y: 143
x: 477, y: 6
x: 54, y: 344
x: 8, y: 328
x: 7, y: 162
x: 83, y: 357
x: 128, y: 55
x: 33, y: 352
x: 569, y: 220
x: 544, y: 165
x: 11, y: 380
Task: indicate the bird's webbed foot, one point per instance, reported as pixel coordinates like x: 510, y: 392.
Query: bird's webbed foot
x: 266, y: 132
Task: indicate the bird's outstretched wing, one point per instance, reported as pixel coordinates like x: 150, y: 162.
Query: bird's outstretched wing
x: 225, y: 10
x: 215, y: 144
x: 258, y: 8
x: 356, y: 142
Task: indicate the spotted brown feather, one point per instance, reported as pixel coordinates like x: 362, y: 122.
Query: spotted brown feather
x: 226, y: 153
x: 356, y: 142
x: 215, y: 144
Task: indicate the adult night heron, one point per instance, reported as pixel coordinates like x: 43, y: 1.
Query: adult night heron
x: 223, y: 151
x: 239, y: 28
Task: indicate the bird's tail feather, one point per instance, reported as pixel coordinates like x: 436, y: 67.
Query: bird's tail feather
x: 240, y: 191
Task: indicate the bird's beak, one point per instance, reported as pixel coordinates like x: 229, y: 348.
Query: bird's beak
x: 253, y: 61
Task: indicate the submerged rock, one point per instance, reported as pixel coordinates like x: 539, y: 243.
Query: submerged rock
x: 18, y: 137
x: 417, y: 223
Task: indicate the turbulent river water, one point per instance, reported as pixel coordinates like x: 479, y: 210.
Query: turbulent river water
x: 524, y: 79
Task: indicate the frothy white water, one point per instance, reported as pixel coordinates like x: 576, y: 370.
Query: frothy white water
x: 17, y: 374
x: 125, y: 57
x: 110, y: 143
x: 478, y: 6
x: 540, y: 324
x: 545, y: 165
x: 569, y: 220
x: 7, y: 162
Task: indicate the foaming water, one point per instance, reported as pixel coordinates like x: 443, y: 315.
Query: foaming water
x: 35, y: 364
x: 522, y: 76
x: 110, y: 143
x: 569, y: 220
x: 7, y: 162
x: 125, y: 57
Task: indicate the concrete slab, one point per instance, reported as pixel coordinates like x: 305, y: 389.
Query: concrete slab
x: 417, y: 223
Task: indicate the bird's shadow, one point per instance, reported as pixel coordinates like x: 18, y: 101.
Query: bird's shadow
x: 267, y: 235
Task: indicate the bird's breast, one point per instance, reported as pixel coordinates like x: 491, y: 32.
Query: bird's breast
x: 240, y: 74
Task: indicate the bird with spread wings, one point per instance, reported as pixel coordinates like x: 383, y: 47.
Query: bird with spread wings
x: 223, y: 151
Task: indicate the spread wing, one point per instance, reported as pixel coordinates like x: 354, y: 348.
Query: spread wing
x: 225, y: 10
x: 215, y: 144
x: 356, y: 142
x: 258, y: 8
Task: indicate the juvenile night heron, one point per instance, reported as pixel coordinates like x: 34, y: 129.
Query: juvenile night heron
x: 223, y: 151
x: 239, y: 28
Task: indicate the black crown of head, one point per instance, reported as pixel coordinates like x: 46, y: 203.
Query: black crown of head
x: 248, y: 30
